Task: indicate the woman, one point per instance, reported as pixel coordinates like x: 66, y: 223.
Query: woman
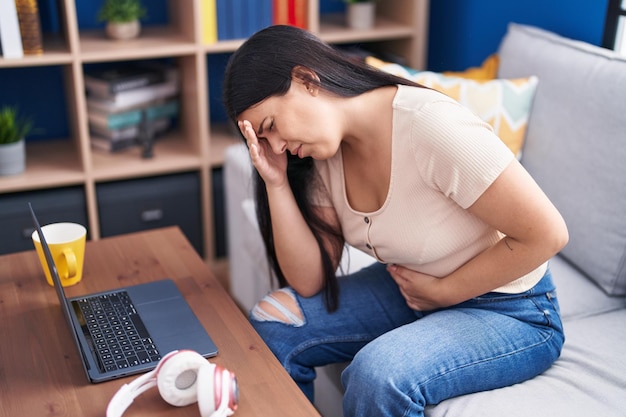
x: 461, y: 299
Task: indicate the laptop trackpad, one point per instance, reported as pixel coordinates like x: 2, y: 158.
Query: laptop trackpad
x: 173, y: 326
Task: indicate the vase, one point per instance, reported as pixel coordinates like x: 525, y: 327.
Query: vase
x: 123, y: 31
x: 12, y: 158
x: 361, y: 15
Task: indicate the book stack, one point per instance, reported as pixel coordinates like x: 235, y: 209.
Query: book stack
x: 239, y: 19
x: 129, y: 103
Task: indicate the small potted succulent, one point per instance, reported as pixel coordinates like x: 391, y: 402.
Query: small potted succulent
x: 360, y: 14
x: 122, y: 17
x: 13, y: 130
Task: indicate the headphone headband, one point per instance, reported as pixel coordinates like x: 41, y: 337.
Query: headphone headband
x: 125, y: 396
x: 213, y: 387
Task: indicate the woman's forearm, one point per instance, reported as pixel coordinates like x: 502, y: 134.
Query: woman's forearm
x: 297, y: 250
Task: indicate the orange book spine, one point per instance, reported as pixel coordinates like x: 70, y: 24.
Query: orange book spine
x: 281, y: 14
x: 301, y: 8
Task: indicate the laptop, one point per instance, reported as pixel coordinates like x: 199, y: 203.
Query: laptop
x: 126, y: 331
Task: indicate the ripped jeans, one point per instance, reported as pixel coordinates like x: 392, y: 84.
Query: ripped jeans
x: 403, y: 360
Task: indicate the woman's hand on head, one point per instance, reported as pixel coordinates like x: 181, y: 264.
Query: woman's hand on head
x: 271, y: 167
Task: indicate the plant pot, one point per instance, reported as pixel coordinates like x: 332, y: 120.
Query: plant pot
x: 123, y: 31
x: 361, y: 15
x: 12, y: 158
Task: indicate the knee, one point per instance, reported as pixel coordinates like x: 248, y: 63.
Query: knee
x: 380, y: 372
x: 368, y: 367
x: 377, y: 383
x: 280, y: 306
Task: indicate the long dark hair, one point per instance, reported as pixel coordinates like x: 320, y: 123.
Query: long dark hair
x: 262, y: 67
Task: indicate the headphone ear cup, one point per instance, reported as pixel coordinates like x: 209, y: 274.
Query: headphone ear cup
x: 217, y: 391
x: 177, y: 377
x: 206, y: 390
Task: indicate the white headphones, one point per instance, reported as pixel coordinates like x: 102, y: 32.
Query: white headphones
x: 183, y: 377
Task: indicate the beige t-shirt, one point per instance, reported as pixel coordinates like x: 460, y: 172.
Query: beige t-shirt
x: 443, y: 158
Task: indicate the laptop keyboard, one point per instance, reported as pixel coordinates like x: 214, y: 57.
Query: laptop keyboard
x: 115, y: 332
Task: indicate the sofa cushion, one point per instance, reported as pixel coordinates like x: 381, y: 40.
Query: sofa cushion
x: 488, y: 70
x: 587, y: 380
x: 575, y: 144
x: 578, y: 296
x: 503, y: 103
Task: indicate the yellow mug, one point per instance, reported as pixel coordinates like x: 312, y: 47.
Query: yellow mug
x: 67, y: 246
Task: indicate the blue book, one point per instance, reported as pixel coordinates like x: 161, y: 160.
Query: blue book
x: 256, y: 16
x: 265, y: 13
x: 250, y: 17
x: 238, y: 18
x: 224, y: 24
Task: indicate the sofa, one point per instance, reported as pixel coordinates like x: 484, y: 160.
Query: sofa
x: 575, y: 148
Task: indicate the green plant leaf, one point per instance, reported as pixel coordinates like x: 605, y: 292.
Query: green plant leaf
x: 121, y: 11
x: 12, y: 127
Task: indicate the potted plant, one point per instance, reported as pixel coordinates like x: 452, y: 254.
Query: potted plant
x: 361, y: 14
x: 122, y: 17
x: 13, y: 130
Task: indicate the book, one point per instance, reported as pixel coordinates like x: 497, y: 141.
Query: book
x: 258, y: 16
x: 209, y: 21
x: 301, y: 13
x: 265, y: 14
x: 168, y: 109
x: 110, y: 81
x: 133, y: 98
x: 237, y: 18
x: 224, y: 15
x: 291, y: 12
x: 280, y: 12
x: 129, y: 132
x: 30, y: 26
x: 114, y: 145
x: 10, y: 35
x: 116, y: 120
x: 133, y: 117
x: 113, y: 140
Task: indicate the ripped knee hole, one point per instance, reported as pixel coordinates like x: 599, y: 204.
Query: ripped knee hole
x: 279, y: 306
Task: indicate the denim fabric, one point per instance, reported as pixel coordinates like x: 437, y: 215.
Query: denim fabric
x: 403, y: 360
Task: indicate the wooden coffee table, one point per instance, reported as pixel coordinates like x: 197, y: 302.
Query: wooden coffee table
x: 40, y: 371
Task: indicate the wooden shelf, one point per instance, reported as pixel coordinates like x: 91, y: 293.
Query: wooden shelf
x: 198, y: 144
x: 171, y: 154
x: 154, y: 42
x: 49, y: 164
x: 333, y: 30
x: 222, y: 46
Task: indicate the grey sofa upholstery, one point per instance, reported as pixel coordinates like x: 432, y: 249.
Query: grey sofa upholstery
x: 575, y: 148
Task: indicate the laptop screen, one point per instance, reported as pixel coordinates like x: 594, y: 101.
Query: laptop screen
x: 55, y: 275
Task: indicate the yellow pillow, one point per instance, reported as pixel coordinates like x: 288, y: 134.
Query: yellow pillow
x: 504, y: 104
x: 488, y: 70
